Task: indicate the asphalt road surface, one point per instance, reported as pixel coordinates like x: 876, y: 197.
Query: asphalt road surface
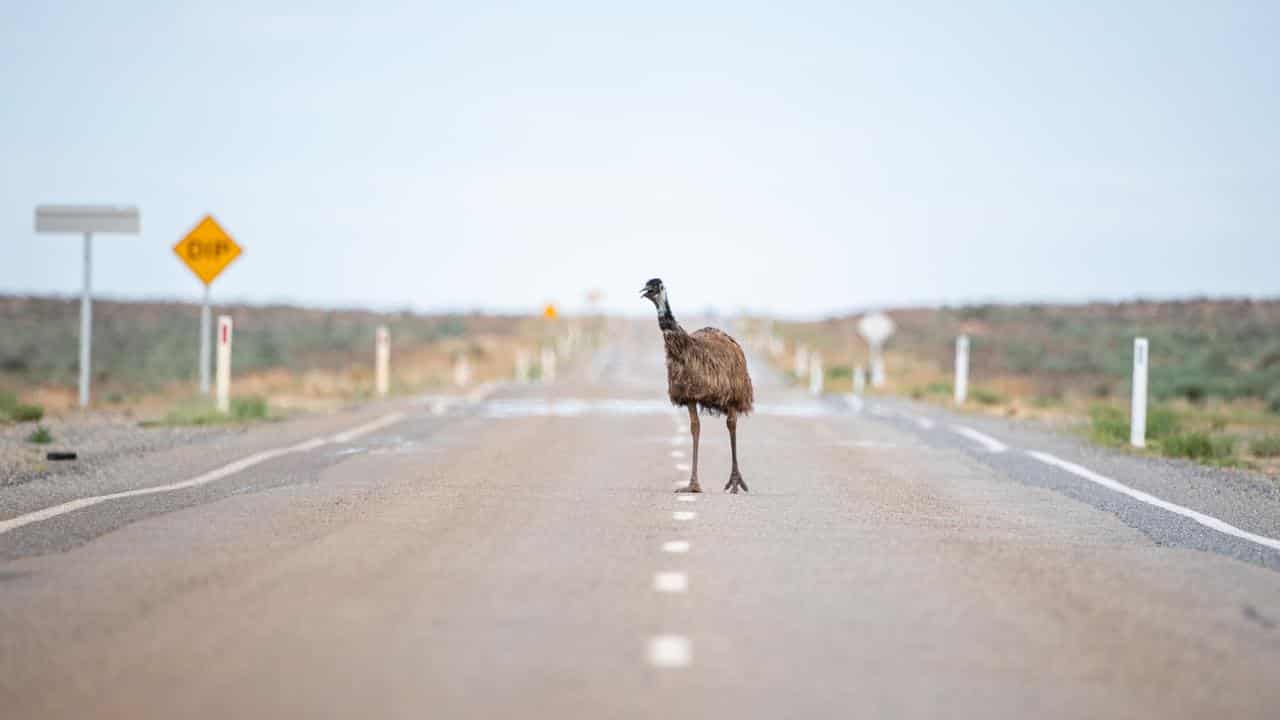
x: 520, y: 553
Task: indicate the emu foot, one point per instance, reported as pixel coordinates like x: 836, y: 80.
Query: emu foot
x: 692, y: 487
x: 735, y: 482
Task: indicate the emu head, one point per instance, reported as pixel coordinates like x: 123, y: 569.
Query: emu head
x: 654, y: 291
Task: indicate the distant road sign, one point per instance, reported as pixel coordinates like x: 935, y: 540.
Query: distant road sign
x: 876, y: 327
x: 207, y: 249
x: 549, y: 312
x: 87, y: 219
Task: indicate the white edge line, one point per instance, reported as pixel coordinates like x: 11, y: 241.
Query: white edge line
x: 203, y: 479
x: 986, y: 441
x: 1208, y: 521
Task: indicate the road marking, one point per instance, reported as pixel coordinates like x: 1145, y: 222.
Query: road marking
x: 986, y: 441
x: 677, y: 440
x: 924, y: 423
x: 684, y: 515
x: 677, y: 454
x: 670, y: 651
x: 225, y: 471
x: 676, y: 546
x: 686, y: 497
x: 682, y: 467
x: 671, y: 582
x: 1208, y: 521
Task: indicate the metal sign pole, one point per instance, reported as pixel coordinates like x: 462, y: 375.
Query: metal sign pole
x: 204, y: 343
x: 86, y: 321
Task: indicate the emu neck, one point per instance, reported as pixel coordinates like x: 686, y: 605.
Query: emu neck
x: 666, y: 320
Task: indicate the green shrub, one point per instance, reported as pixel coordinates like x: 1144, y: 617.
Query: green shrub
x: 40, y: 436
x: 202, y: 412
x: 1108, y: 426
x: 249, y: 408
x: 1199, y: 446
x: 839, y: 372
x: 8, y: 401
x: 1268, y: 446
x: 1273, y: 399
x: 985, y: 397
x: 938, y: 388
x: 1162, y: 422
x: 26, y: 413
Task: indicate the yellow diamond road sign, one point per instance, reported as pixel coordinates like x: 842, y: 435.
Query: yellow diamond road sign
x: 207, y: 249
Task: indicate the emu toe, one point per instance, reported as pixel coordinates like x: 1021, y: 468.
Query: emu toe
x: 735, y: 482
x: 692, y: 487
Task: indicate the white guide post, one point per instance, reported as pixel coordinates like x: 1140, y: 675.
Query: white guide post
x: 815, y: 374
x: 522, y: 366
x: 548, y: 365
x: 859, y: 380
x: 204, y: 343
x: 382, y: 360
x: 86, y: 321
x: 461, y: 371
x: 1138, y: 410
x: 802, y: 360
x: 223, y: 394
x: 962, y: 369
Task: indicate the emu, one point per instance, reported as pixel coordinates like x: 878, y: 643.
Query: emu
x: 706, y: 370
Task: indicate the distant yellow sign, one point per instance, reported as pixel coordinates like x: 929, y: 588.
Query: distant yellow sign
x: 207, y: 249
x: 549, y: 312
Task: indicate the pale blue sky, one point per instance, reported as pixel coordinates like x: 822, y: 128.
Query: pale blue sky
x: 795, y: 157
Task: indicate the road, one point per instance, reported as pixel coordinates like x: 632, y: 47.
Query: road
x: 520, y: 553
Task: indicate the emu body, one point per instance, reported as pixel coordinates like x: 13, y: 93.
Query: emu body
x: 706, y: 370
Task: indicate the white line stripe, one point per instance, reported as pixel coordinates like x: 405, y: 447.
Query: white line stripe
x: 682, y: 467
x: 1208, y: 521
x: 677, y: 440
x: 671, y: 582
x: 670, y: 651
x: 684, y: 515
x: 686, y: 497
x: 222, y: 472
x: 986, y: 441
x: 676, y: 546
x: 677, y: 454
x: 924, y: 423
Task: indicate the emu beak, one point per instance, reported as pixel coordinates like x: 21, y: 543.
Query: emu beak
x: 644, y: 292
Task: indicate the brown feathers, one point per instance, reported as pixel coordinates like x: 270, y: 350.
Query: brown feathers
x: 707, y: 368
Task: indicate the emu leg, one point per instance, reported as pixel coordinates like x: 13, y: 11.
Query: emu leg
x: 694, y: 428
x: 735, y: 477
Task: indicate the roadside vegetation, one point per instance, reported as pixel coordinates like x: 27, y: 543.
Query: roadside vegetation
x: 1214, y: 380
x: 297, y: 359
x: 40, y: 436
x: 13, y: 411
x: 203, y: 412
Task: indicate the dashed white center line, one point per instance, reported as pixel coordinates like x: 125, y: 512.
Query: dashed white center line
x: 682, y: 467
x: 677, y: 440
x: 1208, y: 521
x: 670, y: 651
x: 676, y: 546
x: 686, y: 497
x: 684, y: 515
x: 988, y: 443
x: 677, y: 453
x: 924, y: 423
x: 671, y: 582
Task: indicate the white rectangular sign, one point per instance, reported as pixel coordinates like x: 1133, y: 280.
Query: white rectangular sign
x: 87, y: 219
